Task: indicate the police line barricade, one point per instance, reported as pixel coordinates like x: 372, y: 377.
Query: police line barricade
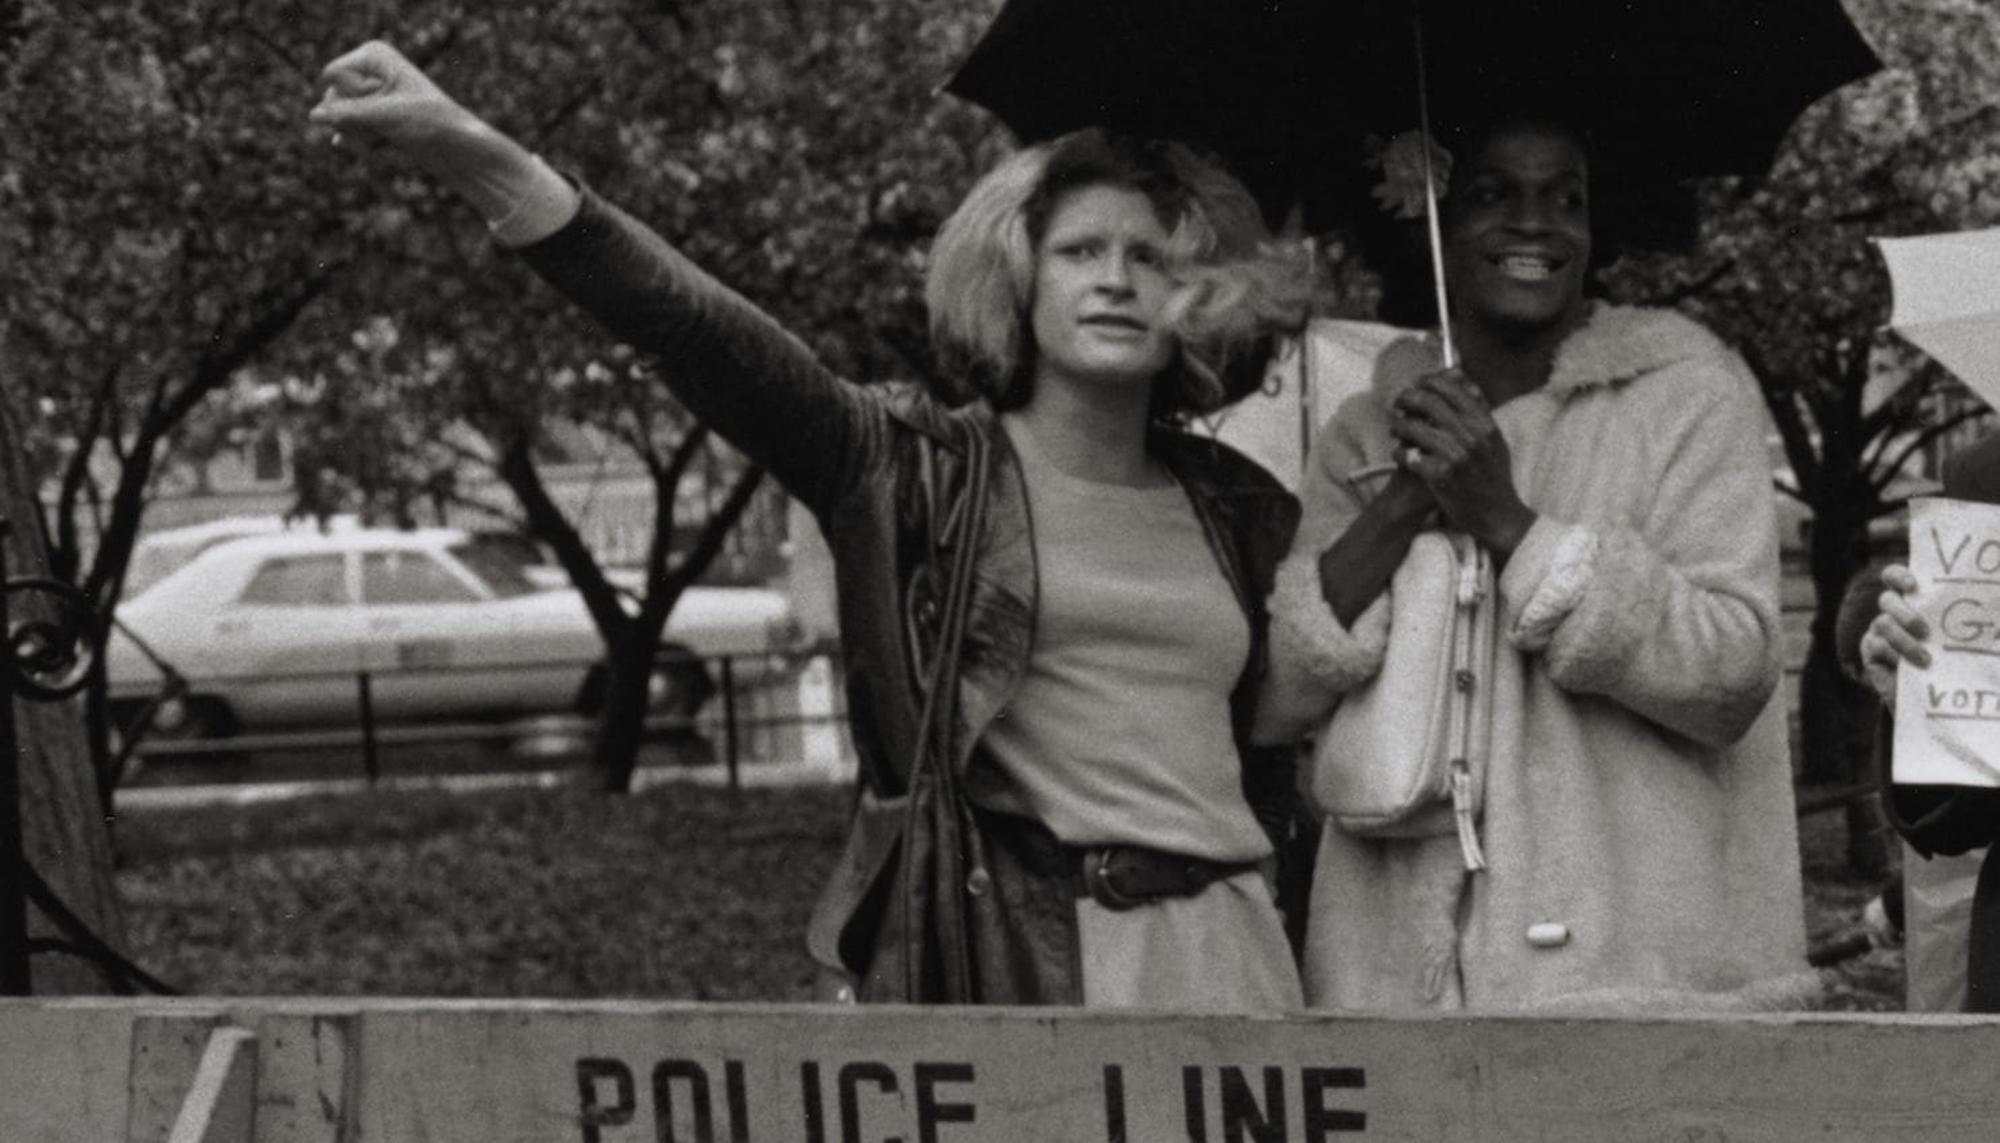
x: 345, y: 1071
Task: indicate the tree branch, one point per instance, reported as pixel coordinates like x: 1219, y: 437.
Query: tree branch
x: 1792, y: 491
x: 1698, y: 285
x: 516, y: 467
x: 715, y: 530
x: 76, y: 471
x: 512, y: 517
x: 1918, y: 443
x: 213, y: 369
x: 1806, y: 469
x: 662, y: 589
x: 1878, y: 422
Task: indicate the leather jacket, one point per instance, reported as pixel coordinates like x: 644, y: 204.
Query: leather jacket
x: 851, y: 454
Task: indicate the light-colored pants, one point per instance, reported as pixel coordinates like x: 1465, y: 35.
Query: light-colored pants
x: 1221, y: 950
x: 1937, y: 914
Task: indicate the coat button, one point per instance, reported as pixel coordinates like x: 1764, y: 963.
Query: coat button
x: 1548, y: 935
x: 978, y: 882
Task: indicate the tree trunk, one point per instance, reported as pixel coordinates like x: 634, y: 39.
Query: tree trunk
x: 63, y: 829
x: 621, y: 720
x: 1836, y: 713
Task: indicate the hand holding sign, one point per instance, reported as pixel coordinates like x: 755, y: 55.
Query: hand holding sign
x: 1896, y: 636
x: 1947, y: 716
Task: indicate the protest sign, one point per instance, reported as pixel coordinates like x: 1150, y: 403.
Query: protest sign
x: 1948, y: 715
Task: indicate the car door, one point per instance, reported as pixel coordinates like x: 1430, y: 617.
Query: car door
x: 418, y: 611
x: 444, y: 643
x: 288, y: 646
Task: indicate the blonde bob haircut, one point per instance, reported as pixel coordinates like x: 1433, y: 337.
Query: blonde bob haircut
x: 1236, y: 287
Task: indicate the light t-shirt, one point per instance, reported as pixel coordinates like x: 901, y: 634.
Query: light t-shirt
x: 1120, y: 729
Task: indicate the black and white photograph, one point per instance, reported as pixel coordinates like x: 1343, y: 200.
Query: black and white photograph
x: 940, y: 571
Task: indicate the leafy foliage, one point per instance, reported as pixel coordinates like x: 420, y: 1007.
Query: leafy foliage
x: 184, y: 265
x: 1785, y: 271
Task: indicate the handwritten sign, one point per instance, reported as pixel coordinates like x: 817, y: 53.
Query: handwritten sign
x: 1948, y: 716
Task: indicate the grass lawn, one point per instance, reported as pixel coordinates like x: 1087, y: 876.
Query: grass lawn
x: 681, y: 892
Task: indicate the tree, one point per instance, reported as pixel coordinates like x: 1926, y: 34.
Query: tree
x: 798, y: 152
x: 398, y: 431
x: 62, y: 838
x: 162, y: 224
x: 167, y: 223
x: 1786, y: 272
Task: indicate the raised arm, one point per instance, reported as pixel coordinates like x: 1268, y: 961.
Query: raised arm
x: 734, y: 367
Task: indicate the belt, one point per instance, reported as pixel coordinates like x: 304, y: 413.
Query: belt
x: 1126, y: 876
x: 1117, y: 877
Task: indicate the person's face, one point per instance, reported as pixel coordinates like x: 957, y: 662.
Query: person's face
x: 1101, y: 288
x: 1517, y: 230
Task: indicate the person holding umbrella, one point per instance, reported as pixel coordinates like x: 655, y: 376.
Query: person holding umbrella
x: 1638, y: 825
x: 1051, y: 599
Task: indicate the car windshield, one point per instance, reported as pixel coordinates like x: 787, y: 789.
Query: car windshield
x: 502, y: 567
x: 154, y: 560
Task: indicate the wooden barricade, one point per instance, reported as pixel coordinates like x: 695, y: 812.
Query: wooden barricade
x: 387, y: 1071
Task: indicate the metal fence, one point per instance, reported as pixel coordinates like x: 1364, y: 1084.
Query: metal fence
x: 761, y: 705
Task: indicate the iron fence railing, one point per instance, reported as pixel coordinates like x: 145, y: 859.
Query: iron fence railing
x: 757, y: 696
x: 46, y: 659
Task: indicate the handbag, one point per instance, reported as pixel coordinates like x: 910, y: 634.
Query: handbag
x: 1404, y: 754
x: 906, y: 936
x: 937, y: 955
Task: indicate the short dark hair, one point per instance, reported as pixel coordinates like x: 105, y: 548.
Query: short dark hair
x: 1630, y: 208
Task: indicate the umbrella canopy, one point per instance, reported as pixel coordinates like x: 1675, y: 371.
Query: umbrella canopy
x: 1286, y: 90
x: 1946, y: 290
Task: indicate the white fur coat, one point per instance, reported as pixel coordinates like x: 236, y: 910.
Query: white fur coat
x: 1639, y: 788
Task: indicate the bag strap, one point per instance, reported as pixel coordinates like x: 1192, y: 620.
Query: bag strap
x: 1468, y: 597
x: 954, y: 538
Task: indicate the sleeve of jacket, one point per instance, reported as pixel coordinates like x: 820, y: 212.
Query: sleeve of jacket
x: 735, y: 368
x: 1675, y: 619
x: 1313, y: 658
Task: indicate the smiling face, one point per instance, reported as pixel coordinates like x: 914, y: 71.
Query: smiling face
x: 1101, y: 290
x: 1517, y: 230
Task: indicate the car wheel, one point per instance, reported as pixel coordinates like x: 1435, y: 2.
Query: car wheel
x: 590, y: 696
x: 192, y: 718
x: 681, y: 686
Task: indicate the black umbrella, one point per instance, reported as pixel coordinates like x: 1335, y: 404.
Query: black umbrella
x: 1286, y: 90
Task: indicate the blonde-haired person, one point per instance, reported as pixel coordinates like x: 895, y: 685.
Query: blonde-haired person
x: 1088, y: 290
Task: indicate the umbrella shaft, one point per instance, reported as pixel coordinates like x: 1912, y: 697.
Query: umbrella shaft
x: 1430, y: 187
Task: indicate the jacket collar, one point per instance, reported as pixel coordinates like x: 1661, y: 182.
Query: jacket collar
x: 1615, y: 344
x: 1618, y: 343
